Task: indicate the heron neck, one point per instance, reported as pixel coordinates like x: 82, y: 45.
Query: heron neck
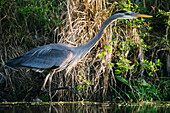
x: 89, y: 45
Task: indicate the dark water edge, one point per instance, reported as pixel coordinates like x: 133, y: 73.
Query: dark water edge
x: 84, y: 107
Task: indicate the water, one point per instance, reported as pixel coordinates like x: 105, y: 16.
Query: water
x: 85, y: 107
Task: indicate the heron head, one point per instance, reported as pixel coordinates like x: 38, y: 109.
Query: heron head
x: 123, y: 14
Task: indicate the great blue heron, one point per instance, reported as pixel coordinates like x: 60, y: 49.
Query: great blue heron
x: 56, y: 57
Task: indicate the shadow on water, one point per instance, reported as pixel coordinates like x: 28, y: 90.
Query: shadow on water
x: 85, y: 107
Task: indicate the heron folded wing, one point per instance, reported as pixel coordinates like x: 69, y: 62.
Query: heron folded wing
x: 44, y: 57
x: 46, y: 60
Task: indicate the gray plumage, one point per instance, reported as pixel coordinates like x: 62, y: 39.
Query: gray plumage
x: 44, y: 57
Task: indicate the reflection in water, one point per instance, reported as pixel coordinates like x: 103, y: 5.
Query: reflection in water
x: 84, y: 108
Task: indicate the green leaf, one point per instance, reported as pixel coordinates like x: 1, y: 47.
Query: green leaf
x: 111, y: 64
x: 104, y: 52
x: 100, y: 55
x: 118, y: 93
x: 150, y: 74
x: 109, y: 48
x: 118, y: 54
x: 144, y: 83
x: 121, y: 79
x: 117, y: 71
x: 158, y: 62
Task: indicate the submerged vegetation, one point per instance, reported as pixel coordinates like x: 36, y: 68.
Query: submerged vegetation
x: 130, y: 63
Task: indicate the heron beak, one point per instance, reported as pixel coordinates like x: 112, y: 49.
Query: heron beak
x: 140, y: 15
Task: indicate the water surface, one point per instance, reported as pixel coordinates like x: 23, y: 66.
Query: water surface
x: 85, y: 107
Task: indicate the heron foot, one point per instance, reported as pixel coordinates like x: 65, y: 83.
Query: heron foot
x: 43, y: 89
x: 71, y: 89
x: 48, y: 90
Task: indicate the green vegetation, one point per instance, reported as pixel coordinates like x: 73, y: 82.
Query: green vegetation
x: 128, y: 64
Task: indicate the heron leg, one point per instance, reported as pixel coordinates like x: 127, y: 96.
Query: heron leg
x: 71, y: 89
x: 50, y: 79
x: 43, y: 87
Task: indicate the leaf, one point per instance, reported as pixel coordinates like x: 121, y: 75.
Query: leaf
x: 104, y: 52
x: 100, y: 55
x: 117, y: 71
x: 118, y: 93
x: 150, y: 74
x: 103, y: 61
x: 132, y: 67
x: 144, y: 83
x: 109, y: 48
x: 111, y: 64
x: 121, y: 79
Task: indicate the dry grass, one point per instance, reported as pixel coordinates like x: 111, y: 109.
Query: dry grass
x: 83, y: 21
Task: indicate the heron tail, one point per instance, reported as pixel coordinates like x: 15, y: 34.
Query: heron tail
x: 13, y: 62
